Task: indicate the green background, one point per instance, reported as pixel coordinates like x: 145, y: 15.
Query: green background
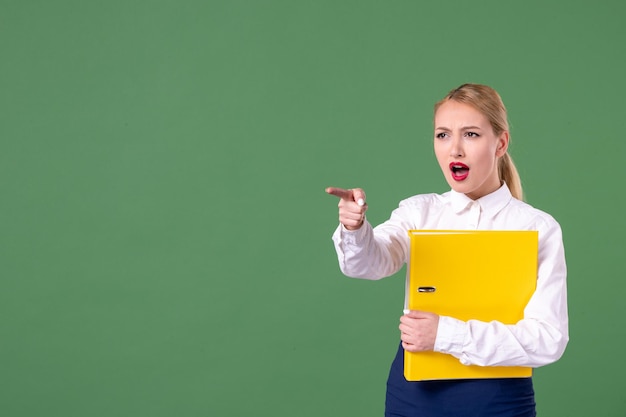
x: 164, y: 232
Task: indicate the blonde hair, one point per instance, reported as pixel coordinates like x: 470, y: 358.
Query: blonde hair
x: 487, y: 101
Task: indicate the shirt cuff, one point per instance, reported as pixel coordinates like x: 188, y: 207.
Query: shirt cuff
x: 451, y: 335
x: 352, y: 237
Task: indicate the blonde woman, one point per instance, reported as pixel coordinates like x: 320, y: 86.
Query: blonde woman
x: 471, y: 138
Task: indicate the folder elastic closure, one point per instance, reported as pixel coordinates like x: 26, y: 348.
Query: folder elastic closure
x: 469, y: 274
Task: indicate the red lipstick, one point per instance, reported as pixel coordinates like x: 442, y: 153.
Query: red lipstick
x: 459, y: 170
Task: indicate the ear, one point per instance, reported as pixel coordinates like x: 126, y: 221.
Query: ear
x: 503, y: 144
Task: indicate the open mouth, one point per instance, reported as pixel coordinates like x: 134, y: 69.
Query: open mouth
x: 459, y: 171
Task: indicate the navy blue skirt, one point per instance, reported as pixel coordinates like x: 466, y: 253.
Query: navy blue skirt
x: 501, y: 397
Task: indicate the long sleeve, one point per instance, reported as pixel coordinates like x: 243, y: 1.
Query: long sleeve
x: 374, y: 253
x: 538, y: 339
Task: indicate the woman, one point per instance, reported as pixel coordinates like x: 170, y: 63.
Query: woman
x: 471, y: 141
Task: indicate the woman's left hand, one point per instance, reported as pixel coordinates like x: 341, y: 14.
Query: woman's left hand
x: 418, y: 330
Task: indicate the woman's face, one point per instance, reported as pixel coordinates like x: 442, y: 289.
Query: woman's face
x: 467, y: 149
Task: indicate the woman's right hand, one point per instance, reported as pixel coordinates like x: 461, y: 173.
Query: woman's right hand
x: 352, y: 206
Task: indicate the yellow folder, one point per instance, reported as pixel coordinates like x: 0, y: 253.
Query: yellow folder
x: 469, y: 274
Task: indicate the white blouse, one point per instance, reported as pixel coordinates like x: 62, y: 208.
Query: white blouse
x: 538, y: 339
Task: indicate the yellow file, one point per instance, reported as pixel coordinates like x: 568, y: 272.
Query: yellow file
x: 469, y: 274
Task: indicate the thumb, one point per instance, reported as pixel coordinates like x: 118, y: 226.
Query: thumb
x: 359, y: 196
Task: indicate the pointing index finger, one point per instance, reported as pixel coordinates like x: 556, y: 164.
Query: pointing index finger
x: 340, y: 192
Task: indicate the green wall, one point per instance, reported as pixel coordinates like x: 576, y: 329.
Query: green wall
x: 164, y: 232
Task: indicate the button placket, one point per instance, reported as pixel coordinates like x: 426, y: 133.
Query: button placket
x: 474, y: 215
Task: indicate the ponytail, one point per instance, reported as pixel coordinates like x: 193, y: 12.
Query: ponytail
x: 508, y: 173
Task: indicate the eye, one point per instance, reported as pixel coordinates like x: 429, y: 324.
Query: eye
x: 472, y: 134
x: 441, y: 135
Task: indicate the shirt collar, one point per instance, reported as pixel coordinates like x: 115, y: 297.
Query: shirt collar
x: 491, y: 204
x: 459, y: 201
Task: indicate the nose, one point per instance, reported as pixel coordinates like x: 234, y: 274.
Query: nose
x: 456, y: 147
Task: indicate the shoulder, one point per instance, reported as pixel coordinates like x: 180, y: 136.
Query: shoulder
x: 533, y: 217
x: 419, y: 210
x: 426, y: 200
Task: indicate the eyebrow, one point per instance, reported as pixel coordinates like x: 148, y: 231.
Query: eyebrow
x: 463, y: 128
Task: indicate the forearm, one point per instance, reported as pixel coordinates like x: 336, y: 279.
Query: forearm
x: 364, y: 253
x: 530, y: 342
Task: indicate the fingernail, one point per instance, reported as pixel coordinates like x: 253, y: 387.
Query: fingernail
x: 360, y: 202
